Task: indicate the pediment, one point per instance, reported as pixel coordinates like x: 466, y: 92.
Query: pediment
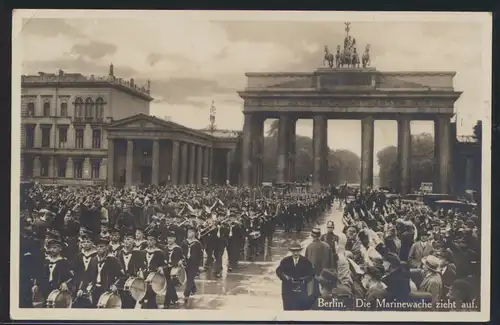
x: 140, y: 122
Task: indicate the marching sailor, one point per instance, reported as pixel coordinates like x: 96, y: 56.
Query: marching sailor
x: 56, y: 274
x: 104, y: 271
x: 155, y: 260
x: 114, y: 245
x: 193, y: 256
x: 133, y: 263
x: 173, y: 258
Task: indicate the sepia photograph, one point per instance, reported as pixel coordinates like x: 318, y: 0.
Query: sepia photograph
x: 250, y: 165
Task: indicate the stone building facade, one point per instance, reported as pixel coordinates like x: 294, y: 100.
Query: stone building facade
x: 64, y: 119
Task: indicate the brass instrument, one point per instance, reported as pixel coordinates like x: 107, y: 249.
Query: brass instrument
x: 211, y: 226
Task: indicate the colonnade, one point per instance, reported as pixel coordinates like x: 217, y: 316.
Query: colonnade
x: 253, y: 140
x: 189, y: 163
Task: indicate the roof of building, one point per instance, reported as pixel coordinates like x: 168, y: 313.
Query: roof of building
x: 79, y: 80
x: 218, y: 134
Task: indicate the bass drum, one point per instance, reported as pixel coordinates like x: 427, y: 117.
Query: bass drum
x: 158, y: 282
x: 109, y: 300
x: 136, y: 287
x: 59, y: 299
x: 178, y: 275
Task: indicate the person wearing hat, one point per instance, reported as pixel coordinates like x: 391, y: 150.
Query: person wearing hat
x: 431, y: 278
x: 319, y: 252
x: 397, y: 278
x: 295, y: 271
x: 462, y: 294
x: 330, y: 290
x: 331, y: 238
x: 376, y: 290
x: 114, y: 245
x: 133, y: 263
x: 56, y: 273
x: 103, y: 272
x: 420, y: 249
x: 173, y: 258
x: 155, y: 262
x: 140, y: 242
x: 82, y: 259
x: 193, y: 257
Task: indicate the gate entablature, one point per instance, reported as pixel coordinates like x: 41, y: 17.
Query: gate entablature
x: 351, y: 91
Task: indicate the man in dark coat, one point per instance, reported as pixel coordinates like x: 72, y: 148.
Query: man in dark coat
x: 295, y: 272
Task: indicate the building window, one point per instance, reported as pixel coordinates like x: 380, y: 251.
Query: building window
x: 89, y: 107
x: 96, y: 139
x: 95, y: 169
x: 63, y: 137
x: 99, y: 108
x: 31, y: 109
x: 78, y: 169
x: 45, y: 137
x: 78, y: 107
x: 46, y: 109
x: 61, y: 168
x: 44, y: 167
x: 28, y: 166
x: 29, y: 136
x: 64, y: 109
x: 79, y: 139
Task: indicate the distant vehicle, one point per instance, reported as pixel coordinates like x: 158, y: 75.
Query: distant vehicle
x: 429, y: 199
x: 453, y: 204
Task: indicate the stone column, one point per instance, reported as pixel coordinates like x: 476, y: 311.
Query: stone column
x: 155, y: 170
x: 258, y: 150
x: 283, y: 149
x: 184, y: 163
x: 111, y: 162
x: 367, y: 142
x: 69, y: 168
x: 293, y: 150
x: 129, y: 163
x: 442, y: 155
x: 229, y: 157
x: 174, y: 173
x: 206, y: 162
x: 86, y: 168
x: 211, y: 167
x: 404, y: 155
x: 246, y: 168
x: 469, y: 173
x: 199, y: 164
x: 192, y: 163
x: 320, y: 124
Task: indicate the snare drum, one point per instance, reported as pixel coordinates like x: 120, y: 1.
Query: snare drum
x: 178, y: 275
x: 59, y: 299
x: 136, y: 287
x: 157, y: 281
x: 254, y: 235
x: 109, y: 300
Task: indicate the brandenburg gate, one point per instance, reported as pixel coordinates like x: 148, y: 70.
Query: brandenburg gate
x: 365, y: 94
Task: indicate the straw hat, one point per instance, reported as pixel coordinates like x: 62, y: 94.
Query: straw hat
x: 296, y: 246
x: 432, y: 262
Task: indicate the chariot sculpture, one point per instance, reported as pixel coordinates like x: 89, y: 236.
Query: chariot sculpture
x: 349, y: 56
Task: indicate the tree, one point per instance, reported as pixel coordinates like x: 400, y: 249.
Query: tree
x: 477, y: 131
x: 422, y: 158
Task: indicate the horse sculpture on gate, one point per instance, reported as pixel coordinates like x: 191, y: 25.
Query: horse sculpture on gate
x: 328, y: 57
x: 348, y: 56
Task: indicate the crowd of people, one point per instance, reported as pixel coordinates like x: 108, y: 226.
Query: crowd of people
x: 390, y: 255
x: 97, y: 247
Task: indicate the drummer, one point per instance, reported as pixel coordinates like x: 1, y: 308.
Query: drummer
x: 56, y: 273
x: 133, y: 263
x: 193, y: 256
x: 140, y: 241
x: 173, y: 259
x: 155, y: 260
x: 114, y: 245
x: 104, y: 271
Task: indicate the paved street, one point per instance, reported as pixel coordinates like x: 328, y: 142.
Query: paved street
x: 253, y: 285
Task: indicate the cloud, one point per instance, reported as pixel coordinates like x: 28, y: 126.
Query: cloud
x: 94, y: 50
x: 187, y: 91
x: 50, y: 27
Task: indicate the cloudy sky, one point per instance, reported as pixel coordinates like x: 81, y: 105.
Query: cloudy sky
x: 192, y: 59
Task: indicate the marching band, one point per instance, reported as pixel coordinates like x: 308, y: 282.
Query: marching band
x: 111, y: 248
